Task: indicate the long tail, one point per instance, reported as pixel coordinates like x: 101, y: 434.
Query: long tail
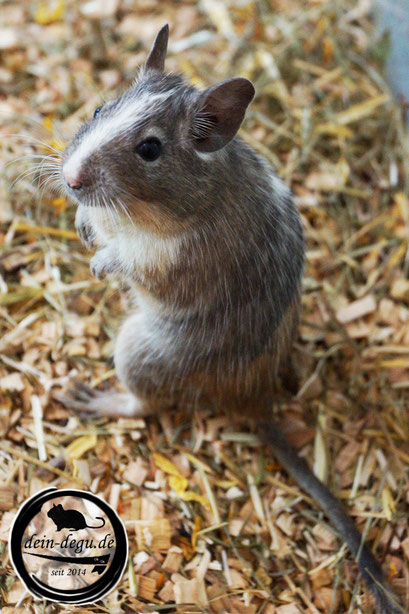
x: 272, y: 435
x: 100, y: 526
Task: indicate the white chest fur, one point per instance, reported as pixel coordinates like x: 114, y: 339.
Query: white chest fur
x: 136, y: 249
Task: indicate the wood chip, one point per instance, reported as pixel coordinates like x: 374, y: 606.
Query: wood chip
x: 136, y: 472
x: 7, y: 495
x: 173, y: 560
x: 154, y: 534
x: 146, y: 587
x: 190, y: 592
x: 357, y: 309
x: 12, y: 383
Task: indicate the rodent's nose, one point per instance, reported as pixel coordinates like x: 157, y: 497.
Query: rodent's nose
x: 73, y: 180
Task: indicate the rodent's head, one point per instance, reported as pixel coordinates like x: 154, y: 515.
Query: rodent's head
x: 155, y: 153
x: 55, y: 510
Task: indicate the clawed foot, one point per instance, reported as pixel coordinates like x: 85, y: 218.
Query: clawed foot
x: 81, y: 397
x: 103, y: 262
x: 87, y: 400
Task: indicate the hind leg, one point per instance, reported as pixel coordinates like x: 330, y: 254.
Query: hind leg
x: 143, y: 371
x: 153, y: 363
x: 289, y: 377
x: 147, y: 361
x: 85, y: 399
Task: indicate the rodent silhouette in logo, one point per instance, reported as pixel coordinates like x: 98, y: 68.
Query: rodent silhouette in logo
x: 70, y: 519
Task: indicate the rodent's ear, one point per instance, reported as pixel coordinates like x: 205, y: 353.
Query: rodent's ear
x: 222, y: 109
x: 157, y: 55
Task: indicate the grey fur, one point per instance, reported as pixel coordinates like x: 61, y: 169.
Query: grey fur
x: 212, y: 241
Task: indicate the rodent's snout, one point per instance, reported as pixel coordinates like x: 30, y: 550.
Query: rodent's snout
x: 74, y: 178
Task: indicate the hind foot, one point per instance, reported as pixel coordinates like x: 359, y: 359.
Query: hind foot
x: 289, y: 377
x: 85, y: 399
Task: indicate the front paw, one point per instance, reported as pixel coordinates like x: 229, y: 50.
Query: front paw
x: 86, y: 235
x: 103, y: 262
x: 84, y: 228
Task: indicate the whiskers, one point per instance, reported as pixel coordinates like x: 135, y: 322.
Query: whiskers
x: 115, y: 209
x: 45, y: 170
x: 124, y: 208
x: 44, y: 173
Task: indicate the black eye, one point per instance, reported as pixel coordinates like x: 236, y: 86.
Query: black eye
x: 150, y: 149
x: 97, y: 110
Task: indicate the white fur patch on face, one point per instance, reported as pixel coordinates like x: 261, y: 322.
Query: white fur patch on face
x: 105, y: 129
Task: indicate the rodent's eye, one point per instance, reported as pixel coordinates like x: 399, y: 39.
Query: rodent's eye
x: 96, y: 112
x: 150, y: 149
